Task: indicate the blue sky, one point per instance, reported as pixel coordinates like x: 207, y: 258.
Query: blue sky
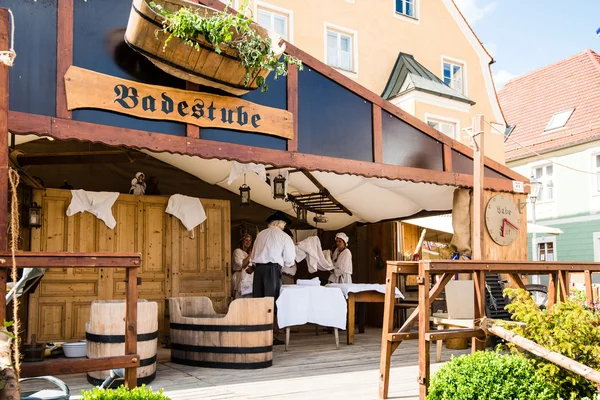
x: 523, y: 35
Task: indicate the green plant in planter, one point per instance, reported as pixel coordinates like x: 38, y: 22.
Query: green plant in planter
x: 489, y: 375
x: 122, y: 393
x: 570, y: 328
x: 234, y: 31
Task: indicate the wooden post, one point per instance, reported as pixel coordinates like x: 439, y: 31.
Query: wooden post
x: 563, y: 277
x: 292, y: 105
x: 4, y: 45
x: 351, y: 322
x: 377, y: 134
x: 478, y: 171
x: 479, y: 311
x: 552, y: 282
x: 424, y: 344
x: 388, y: 325
x: 64, y: 54
x: 589, y: 294
x: 131, y: 297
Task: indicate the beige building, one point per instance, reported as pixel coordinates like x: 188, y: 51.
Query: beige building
x: 364, y: 39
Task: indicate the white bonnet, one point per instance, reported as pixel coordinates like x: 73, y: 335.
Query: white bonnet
x: 343, y: 236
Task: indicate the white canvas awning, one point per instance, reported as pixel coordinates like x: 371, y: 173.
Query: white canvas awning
x: 443, y: 223
x: 369, y: 199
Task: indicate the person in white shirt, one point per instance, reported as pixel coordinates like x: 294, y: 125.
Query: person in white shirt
x: 288, y: 273
x: 241, y: 281
x: 342, y: 261
x: 272, y: 251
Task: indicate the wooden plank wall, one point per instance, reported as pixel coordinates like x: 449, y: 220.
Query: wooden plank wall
x: 173, y: 263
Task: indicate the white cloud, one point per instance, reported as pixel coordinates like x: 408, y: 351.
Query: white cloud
x: 502, y: 77
x: 473, y: 11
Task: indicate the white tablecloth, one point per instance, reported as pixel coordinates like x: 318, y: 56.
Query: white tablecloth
x: 299, y: 305
x: 362, y: 287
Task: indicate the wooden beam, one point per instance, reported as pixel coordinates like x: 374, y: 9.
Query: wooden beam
x: 292, y: 105
x: 388, y: 324
x: 516, y: 278
x: 131, y: 308
x: 563, y: 277
x: 479, y: 312
x: 324, y: 190
x: 26, y: 259
x: 399, y: 337
x: 4, y: 45
x: 552, y: 289
x: 507, y: 267
x: 377, y: 134
x: 64, y: 54
x: 589, y: 293
x: 477, y: 234
x: 447, y: 158
x: 62, y: 129
x: 424, y: 345
x: 76, y: 366
x: 95, y: 157
x: 454, y: 334
x: 192, y: 131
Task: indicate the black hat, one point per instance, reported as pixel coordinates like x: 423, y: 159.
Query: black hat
x: 279, y: 216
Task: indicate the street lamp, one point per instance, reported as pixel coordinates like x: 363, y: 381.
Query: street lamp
x: 535, y: 192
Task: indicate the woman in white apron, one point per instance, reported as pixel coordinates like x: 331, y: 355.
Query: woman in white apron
x: 241, y: 281
x: 342, y: 261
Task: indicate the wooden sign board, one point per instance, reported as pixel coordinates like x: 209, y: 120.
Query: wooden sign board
x: 89, y: 89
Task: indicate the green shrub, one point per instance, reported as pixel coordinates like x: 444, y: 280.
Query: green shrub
x: 122, y: 393
x: 569, y: 328
x: 489, y: 376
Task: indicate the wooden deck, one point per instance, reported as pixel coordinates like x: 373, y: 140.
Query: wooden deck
x: 311, y: 369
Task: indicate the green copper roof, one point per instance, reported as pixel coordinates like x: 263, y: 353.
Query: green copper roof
x: 408, y: 74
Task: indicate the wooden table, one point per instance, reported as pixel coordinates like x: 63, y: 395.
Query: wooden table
x: 370, y: 296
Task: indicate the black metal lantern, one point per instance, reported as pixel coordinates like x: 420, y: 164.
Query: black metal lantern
x: 245, y: 195
x: 302, y: 214
x: 279, y: 187
x: 35, y: 216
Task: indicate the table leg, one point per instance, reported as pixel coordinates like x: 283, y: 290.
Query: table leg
x: 362, y: 316
x: 350, y: 334
x: 337, y: 338
x: 287, y: 337
x: 438, y: 346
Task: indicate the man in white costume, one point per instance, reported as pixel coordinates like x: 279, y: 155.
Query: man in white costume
x: 342, y: 261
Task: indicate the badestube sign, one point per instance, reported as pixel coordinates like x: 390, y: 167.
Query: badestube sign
x: 89, y: 89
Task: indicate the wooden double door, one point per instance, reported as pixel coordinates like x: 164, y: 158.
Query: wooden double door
x: 174, y: 262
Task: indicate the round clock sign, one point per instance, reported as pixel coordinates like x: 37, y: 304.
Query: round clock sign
x: 502, y: 219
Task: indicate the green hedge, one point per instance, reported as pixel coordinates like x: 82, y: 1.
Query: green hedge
x: 122, y: 393
x: 489, y: 376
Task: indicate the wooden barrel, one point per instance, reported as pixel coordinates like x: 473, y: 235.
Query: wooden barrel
x: 105, y: 335
x: 242, y: 339
x: 203, y: 65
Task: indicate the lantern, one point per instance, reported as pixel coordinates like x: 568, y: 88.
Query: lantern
x: 279, y: 187
x: 35, y: 216
x: 245, y: 195
x: 302, y: 214
x: 320, y: 219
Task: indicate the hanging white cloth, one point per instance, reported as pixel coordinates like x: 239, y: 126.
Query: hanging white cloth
x: 238, y: 169
x: 310, y: 248
x: 187, y: 209
x: 96, y: 203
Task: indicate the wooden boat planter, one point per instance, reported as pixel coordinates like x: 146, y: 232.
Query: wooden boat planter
x: 242, y: 339
x: 144, y: 34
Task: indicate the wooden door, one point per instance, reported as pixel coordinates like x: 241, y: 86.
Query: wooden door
x: 172, y: 262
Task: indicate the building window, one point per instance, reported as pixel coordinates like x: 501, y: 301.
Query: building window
x: 597, y: 171
x: 277, y: 22
x: 406, y: 7
x: 546, y: 251
x: 559, y: 120
x: 453, y: 75
x: 339, y: 50
x: 596, y: 238
x: 447, y: 128
x: 543, y: 174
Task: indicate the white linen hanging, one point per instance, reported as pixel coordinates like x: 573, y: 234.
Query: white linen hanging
x: 238, y: 169
x: 96, y: 203
x: 187, y: 209
x: 310, y: 248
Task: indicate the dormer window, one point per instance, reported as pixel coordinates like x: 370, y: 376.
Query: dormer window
x: 559, y: 120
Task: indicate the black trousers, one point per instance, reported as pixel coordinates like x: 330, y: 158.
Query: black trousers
x: 267, y: 280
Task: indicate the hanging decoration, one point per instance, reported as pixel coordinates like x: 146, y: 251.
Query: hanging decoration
x: 279, y: 187
x: 244, y: 194
x: 35, y: 216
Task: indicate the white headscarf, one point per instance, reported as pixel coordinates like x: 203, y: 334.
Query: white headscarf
x: 343, y: 236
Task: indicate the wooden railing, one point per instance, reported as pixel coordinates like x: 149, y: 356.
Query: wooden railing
x: 558, y: 288
x: 131, y: 262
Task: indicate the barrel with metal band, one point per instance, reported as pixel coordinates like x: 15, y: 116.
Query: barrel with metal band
x: 105, y: 335
x: 241, y: 339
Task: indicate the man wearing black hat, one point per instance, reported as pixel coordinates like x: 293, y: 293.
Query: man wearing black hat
x: 273, y: 249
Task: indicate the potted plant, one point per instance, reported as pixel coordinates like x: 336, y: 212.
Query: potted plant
x: 206, y: 46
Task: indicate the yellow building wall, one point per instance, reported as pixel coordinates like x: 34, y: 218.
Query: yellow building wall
x: 381, y: 35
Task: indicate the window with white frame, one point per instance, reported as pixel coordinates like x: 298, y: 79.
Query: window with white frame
x: 546, y: 251
x: 275, y: 21
x: 406, y: 7
x: 559, y: 119
x: 340, y: 50
x: 454, y: 75
x: 596, y: 168
x: 446, y: 127
x: 596, y: 238
x: 543, y: 174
